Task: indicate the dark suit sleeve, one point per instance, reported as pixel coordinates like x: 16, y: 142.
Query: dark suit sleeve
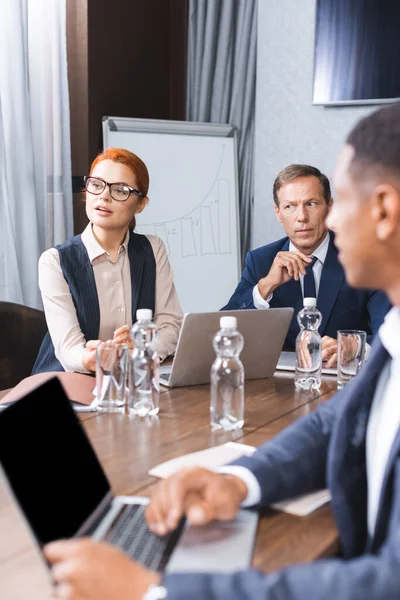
x: 378, y: 305
x: 242, y: 298
x: 294, y: 461
x: 372, y: 577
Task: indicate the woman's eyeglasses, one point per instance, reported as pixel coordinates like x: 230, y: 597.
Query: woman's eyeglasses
x: 118, y: 191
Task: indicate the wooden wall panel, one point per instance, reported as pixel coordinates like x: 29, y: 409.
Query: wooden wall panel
x: 128, y: 59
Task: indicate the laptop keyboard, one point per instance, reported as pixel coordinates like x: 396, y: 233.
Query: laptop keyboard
x: 165, y: 376
x: 131, y: 534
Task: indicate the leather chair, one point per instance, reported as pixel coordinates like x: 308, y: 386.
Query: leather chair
x: 22, y: 330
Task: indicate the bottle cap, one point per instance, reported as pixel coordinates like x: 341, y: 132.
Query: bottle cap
x: 144, y: 314
x: 228, y: 322
x: 310, y: 302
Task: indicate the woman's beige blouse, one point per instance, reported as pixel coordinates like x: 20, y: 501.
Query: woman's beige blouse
x: 113, y: 283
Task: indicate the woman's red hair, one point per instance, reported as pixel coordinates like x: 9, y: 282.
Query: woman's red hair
x: 130, y: 160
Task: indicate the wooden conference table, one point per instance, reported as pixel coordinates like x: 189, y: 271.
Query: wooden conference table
x: 128, y: 447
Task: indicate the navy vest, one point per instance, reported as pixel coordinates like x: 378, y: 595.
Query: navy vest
x: 78, y: 273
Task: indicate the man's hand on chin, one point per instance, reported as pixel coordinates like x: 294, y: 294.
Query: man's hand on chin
x: 84, y: 569
x: 287, y: 265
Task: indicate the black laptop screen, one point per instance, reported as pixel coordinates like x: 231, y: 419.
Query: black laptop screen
x: 50, y: 463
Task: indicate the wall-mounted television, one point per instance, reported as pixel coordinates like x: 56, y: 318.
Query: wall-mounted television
x: 357, y: 52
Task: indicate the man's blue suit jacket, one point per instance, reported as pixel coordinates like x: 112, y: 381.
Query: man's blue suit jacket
x: 325, y: 448
x: 342, y: 306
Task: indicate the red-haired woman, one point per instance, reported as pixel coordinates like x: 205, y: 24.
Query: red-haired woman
x: 93, y: 284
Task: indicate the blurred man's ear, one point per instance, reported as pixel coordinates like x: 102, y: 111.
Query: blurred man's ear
x: 386, y: 210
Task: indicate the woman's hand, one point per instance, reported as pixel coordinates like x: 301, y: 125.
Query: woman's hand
x: 122, y: 335
x: 89, y: 358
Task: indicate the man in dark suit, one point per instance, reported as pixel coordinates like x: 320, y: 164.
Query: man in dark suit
x: 351, y: 443
x: 306, y: 263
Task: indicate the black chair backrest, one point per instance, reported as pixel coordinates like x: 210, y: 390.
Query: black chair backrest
x: 22, y: 330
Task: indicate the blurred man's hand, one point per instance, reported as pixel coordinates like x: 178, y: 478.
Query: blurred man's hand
x: 198, y: 493
x: 84, y: 569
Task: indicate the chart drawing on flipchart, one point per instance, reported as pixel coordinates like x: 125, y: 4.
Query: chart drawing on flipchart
x: 193, y: 209
x: 203, y: 230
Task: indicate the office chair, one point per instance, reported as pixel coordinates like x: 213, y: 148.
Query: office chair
x: 22, y: 330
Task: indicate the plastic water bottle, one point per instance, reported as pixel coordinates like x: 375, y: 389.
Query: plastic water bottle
x: 227, y: 378
x: 308, y: 347
x: 144, y: 385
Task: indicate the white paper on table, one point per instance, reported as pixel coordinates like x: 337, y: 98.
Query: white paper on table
x: 92, y: 407
x: 94, y: 390
x: 210, y: 458
x: 301, y: 506
x: 217, y: 456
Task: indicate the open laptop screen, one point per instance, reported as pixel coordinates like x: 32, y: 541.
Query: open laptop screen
x: 49, y: 462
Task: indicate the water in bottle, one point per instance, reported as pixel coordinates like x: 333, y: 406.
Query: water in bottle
x: 308, y: 347
x: 227, y: 378
x: 144, y: 388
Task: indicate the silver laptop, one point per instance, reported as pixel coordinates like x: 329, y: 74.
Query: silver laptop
x: 74, y: 498
x: 264, y: 333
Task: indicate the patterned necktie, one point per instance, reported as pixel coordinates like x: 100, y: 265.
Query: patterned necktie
x: 309, y: 281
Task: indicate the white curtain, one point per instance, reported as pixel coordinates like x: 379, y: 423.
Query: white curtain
x: 35, y: 158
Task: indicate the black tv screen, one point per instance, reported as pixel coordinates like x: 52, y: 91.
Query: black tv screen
x: 357, y: 52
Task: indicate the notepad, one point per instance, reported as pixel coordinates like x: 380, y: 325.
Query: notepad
x: 287, y: 362
x: 211, y: 458
x: 301, y: 506
x: 217, y: 456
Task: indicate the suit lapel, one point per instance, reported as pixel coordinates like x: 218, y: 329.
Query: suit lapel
x: 385, y: 501
x: 136, y: 261
x: 289, y: 294
x: 331, y: 280
x: 347, y: 475
x: 392, y: 457
x: 291, y: 291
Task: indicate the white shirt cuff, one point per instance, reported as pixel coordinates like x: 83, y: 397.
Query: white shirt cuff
x: 258, y: 300
x: 250, y: 480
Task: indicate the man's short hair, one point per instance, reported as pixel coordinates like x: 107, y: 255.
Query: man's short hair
x: 376, y: 140
x: 293, y: 172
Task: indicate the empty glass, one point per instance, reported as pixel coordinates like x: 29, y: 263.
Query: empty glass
x: 111, y: 375
x: 351, y: 354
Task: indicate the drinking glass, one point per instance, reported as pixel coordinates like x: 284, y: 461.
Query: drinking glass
x: 351, y: 354
x: 111, y: 375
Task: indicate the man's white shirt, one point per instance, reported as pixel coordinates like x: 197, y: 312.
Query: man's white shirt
x: 383, y: 424
x: 384, y: 418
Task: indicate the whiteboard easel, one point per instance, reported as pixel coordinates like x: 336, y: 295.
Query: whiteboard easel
x: 193, y: 204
